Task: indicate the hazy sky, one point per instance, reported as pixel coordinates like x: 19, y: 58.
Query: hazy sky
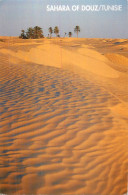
x: 21, y: 14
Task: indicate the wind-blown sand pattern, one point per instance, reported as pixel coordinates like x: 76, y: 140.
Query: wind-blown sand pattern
x: 63, y: 122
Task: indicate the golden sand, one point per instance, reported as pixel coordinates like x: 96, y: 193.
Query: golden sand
x: 64, y: 116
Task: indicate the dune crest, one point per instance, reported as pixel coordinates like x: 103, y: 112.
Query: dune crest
x: 50, y: 54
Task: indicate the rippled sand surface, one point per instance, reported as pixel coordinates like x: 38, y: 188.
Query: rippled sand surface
x: 63, y: 116
x: 58, y: 134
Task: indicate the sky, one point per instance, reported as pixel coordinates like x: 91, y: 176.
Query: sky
x: 16, y: 15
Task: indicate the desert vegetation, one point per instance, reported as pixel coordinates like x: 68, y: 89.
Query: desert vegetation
x: 37, y: 32
x: 70, y: 34
x: 77, y: 30
x: 32, y: 33
x: 50, y: 31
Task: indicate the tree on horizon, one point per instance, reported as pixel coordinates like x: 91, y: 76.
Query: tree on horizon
x: 32, y: 33
x: 23, y: 34
x: 38, y: 32
x: 50, y: 31
x: 77, y: 30
x: 56, y: 30
x: 70, y: 34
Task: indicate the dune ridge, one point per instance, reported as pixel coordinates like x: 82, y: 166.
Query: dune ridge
x: 57, y: 57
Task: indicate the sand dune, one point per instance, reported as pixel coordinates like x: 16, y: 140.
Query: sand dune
x: 118, y: 60
x: 63, y: 117
x: 57, y: 56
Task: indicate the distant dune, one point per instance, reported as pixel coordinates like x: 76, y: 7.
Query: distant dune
x: 64, y: 116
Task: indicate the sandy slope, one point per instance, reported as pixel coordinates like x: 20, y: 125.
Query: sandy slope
x: 63, y: 116
x: 51, y: 54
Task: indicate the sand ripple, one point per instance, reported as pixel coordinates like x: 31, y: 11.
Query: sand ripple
x: 58, y: 134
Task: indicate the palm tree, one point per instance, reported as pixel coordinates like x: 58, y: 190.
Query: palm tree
x: 30, y: 33
x: 56, y: 30
x: 70, y: 34
x: 50, y: 31
x: 76, y: 30
x: 22, y: 35
x: 38, y: 32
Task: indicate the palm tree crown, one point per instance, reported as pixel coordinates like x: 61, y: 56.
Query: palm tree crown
x: 30, y: 33
x: 38, y: 32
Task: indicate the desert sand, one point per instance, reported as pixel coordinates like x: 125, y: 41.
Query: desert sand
x: 64, y: 114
